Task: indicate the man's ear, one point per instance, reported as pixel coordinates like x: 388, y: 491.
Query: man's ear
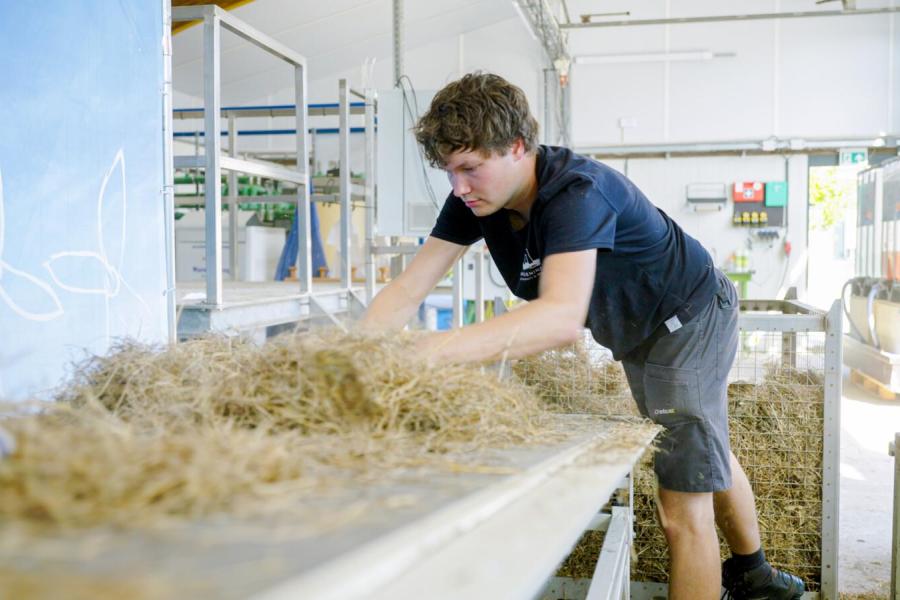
x: 518, y: 149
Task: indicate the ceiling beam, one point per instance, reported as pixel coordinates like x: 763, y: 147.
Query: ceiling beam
x: 723, y: 18
x: 544, y: 26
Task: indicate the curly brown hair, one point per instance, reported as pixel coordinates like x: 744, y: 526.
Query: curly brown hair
x: 479, y: 112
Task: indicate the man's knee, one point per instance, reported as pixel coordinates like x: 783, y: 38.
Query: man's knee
x: 686, y: 515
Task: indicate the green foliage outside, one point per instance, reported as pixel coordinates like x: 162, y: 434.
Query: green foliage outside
x: 832, y: 196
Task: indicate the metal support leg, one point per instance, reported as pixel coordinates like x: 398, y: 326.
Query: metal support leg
x: 304, y: 233
x: 213, y: 145
x: 232, y: 201
x: 457, y: 294
x: 611, y: 577
x: 344, y: 163
x: 831, y: 452
x: 370, y: 194
x: 479, y: 285
x: 894, y: 450
x: 168, y: 176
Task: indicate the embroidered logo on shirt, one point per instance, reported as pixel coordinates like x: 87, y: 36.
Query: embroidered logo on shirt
x: 531, y: 267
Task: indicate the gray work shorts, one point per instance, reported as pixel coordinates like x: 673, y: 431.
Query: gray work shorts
x: 681, y: 382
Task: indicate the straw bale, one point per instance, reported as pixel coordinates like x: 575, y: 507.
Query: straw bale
x: 581, y: 562
x: 864, y: 596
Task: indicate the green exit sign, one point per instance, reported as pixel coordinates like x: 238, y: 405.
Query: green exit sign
x: 854, y: 156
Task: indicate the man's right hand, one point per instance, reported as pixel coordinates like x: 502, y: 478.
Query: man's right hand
x: 399, y: 300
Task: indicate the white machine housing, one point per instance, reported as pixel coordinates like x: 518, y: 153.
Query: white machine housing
x: 410, y: 191
x: 259, y: 247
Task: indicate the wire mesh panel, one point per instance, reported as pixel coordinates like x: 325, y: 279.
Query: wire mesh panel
x: 776, y: 419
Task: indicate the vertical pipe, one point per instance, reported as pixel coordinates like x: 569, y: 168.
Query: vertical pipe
x: 860, y: 181
x: 550, y: 101
x: 565, y: 109
x: 878, y: 229
x: 667, y: 76
x: 457, y: 293
x: 304, y: 234
x: 479, y: 285
x: 344, y: 165
x: 168, y: 189
x: 776, y: 72
x: 232, y: 201
x: 890, y: 73
x: 370, y: 194
x: 213, y: 147
x: 461, y: 56
x: 196, y: 171
x: 398, y: 41
x: 831, y: 452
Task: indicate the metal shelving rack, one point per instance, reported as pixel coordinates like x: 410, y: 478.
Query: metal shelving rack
x: 263, y: 305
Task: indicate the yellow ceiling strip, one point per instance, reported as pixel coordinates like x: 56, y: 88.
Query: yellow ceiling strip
x: 225, y: 5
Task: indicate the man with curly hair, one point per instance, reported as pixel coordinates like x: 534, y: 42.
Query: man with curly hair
x: 585, y: 247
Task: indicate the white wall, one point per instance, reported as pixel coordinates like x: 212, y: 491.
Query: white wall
x: 824, y: 77
x: 663, y: 181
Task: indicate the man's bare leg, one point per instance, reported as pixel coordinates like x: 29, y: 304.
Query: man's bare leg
x: 735, y: 511
x: 688, y: 521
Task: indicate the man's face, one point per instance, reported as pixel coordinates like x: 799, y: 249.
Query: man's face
x: 486, y: 183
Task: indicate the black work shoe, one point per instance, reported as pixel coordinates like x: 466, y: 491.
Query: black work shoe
x: 765, y: 582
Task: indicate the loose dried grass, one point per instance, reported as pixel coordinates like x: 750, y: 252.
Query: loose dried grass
x: 572, y: 380
x: 148, y: 434
x: 44, y: 585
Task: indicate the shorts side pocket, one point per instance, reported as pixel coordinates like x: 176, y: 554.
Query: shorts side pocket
x: 672, y: 395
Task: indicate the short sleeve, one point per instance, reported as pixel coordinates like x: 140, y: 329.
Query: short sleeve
x: 456, y: 223
x: 578, y: 218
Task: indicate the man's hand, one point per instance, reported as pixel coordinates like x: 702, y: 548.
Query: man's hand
x: 395, y: 305
x: 555, y: 319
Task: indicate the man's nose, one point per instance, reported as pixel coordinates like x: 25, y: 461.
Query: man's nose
x: 460, y: 186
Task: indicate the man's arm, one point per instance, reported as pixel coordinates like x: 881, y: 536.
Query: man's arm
x: 395, y: 305
x: 555, y: 319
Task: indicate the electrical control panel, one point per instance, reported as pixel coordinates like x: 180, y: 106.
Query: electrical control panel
x: 759, y: 204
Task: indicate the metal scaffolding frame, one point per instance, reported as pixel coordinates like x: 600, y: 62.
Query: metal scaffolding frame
x: 266, y: 307
x: 214, y: 19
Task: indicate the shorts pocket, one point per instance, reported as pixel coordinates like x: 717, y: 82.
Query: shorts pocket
x: 727, y: 295
x: 671, y: 395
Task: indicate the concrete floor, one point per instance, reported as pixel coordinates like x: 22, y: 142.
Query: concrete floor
x: 868, y: 424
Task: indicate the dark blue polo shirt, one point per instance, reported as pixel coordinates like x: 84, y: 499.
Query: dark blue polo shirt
x: 648, y: 269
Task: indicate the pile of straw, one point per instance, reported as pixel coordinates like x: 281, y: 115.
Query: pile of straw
x: 217, y: 425
x: 39, y: 584
x: 572, y: 380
